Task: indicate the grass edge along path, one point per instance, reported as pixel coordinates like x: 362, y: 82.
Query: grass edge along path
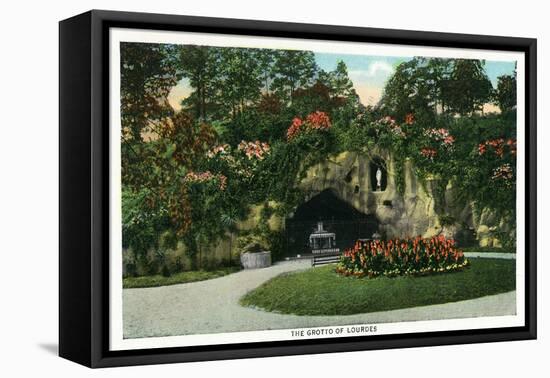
x: 322, y: 291
x: 489, y: 249
x: 176, y: 278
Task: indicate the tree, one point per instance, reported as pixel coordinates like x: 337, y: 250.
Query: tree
x: 186, y: 141
x: 239, y: 78
x: 157, y: 202
x: 147, y: 74
x: 468, y: 87
x: 269, y: 103
x: 434, y: 85
x: 266, y: 60
x: 505, y: 94
x: 292, y: 69
x: 331, y: 91
x: 200, y: 65
x: 411, y: 89
x: 312, y: 98
x: 438, y: 72
x: 340, y: 83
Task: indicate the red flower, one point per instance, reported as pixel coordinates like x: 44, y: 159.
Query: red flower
x: 297, y: 122
x: 429, y: 153
x: 318, y: 120
x: 482, y: 148
x: 255, y: 149
x: 294, y: 128
x: 449, y: 140
x: 498, y: 146
x: 512, y: 145
x: 204, y: 177
x: 315, y: 121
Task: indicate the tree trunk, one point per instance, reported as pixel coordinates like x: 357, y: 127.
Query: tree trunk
x: 203, y: 102
x: 199, y: 99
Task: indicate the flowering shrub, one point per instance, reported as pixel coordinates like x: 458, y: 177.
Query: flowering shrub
x: 442, y: 136
x: 428, y: 152
x: 315, y: 121
x: 436, y: 142
x: 389, y: 124
x: 501, y: 170
x: 409, y: 119
x: 206, y: 177
x: 221, y: 150
x: 318, y: 121
x: 252, y: 150
x: 505, y: 173
x: 257, y: 149
x: 512, y: 145
x: 497, y: 146
x: 294, y: 128
x: 395, y: 257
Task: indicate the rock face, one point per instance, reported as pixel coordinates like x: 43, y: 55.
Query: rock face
x: 424, y: 208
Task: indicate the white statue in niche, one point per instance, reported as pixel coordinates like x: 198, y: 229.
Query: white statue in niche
x: 378, y: 179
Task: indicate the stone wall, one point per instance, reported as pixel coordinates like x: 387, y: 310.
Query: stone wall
x: 274, y: 222
x: 176, y: 259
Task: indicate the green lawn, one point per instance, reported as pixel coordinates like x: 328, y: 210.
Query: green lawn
x: 321, y: 291
x: 177, y: 278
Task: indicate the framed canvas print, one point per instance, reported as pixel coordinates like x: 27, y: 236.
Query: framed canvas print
x: 234, y: 188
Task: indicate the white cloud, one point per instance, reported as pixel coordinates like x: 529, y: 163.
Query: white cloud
x: 369, y: 83
x: 377, y: 69
x: 382, y: 67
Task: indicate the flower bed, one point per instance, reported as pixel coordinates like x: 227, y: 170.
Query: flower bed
x: 318, y: 121
x: 395, y: 257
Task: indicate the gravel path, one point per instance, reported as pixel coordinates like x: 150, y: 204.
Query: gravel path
x: 491, y: 255
x: 212, y: 307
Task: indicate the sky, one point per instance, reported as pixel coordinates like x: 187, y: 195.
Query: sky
x: 368, y: 74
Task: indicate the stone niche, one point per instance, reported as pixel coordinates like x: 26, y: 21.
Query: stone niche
x: 416, y: 211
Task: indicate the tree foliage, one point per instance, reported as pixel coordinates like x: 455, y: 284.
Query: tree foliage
x: 256, y: 119
x: 468, y: 88
x: 199, y: 64
x: 147, y: 74
x: 292, y: 69
x: 506, y: 92
x: 428, y: 86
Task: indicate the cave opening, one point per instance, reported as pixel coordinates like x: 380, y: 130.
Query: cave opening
x: 336, y: 215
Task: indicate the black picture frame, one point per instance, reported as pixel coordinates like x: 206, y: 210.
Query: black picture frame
x: 84, y: 187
